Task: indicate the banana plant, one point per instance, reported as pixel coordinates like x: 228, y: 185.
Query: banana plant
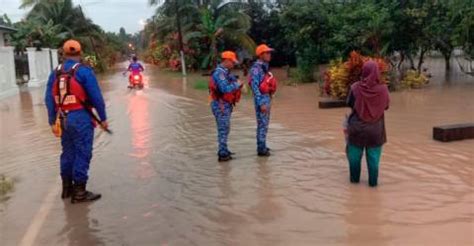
x: 218, y: 24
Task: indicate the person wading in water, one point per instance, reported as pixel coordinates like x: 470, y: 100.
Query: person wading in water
x: 368, y: 98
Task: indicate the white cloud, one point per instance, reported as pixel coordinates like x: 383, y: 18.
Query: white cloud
x: 110, y: 15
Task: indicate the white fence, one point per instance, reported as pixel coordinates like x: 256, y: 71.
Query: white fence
x: 7, y: 72
x: 40, y: 65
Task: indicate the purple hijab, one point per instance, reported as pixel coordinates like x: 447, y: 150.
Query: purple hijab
x: 371, y: 96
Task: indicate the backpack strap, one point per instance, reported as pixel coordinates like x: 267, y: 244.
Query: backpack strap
x: 264, y: 68
x: 70, y: 74
x: 76, y: 66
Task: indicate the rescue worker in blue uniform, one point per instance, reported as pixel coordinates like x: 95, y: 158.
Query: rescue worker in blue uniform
x: 224, y: 90
x: 135, y: 68
x: 70, y: 88
x: 262, y: 100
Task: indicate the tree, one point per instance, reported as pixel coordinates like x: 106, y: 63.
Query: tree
x: 52, y: 22
x: 5, y: 20
x: 306, y: 29
x: 29, y: 3
x: 359, y: 25
x: 266, y: 28
x: 220, y: 25
x: 463, y: 36
x: 208, y: 26
x: 443, y: 27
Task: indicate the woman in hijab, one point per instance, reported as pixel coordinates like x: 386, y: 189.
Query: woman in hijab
x: 368, y: 98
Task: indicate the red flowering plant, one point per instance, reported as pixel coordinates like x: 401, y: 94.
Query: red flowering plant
x: 341, y: 75
x: 166, y: 55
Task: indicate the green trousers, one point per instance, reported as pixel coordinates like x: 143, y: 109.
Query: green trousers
x: 354, y: 155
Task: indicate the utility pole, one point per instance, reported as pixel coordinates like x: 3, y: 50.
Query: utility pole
x: 180, y: 38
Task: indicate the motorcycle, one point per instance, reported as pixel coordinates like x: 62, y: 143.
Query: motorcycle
x: 135, y: 81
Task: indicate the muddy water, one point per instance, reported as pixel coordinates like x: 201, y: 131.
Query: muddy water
x: 162, y: 184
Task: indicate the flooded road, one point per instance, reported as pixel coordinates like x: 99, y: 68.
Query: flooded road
x: 162, y: 184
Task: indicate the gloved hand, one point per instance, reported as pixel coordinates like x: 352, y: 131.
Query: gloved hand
x: 56, y: 128
x: 233, y: 77
x: 104, y: 125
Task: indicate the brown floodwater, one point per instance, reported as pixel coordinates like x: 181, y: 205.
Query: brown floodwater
x: 162, y: 184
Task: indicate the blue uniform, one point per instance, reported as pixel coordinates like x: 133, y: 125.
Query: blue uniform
x: 222, y: 110
x: 258, y: 71
x: 78, y: 134
x: 135, y: 67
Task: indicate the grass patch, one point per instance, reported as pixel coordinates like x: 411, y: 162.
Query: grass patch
x: 200, y: 84
x: 6, y: 185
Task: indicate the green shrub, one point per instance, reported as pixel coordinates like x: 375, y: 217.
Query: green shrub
x: 306, y: 63
x: 6, y: 185
x: 413, y: 79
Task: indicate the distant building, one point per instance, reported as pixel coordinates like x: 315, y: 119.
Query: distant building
x: 3, y: 31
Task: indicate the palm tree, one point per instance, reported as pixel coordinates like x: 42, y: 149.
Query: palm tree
x: 68, y: 21
x: 211, y: 22
x: 54, y: 21
x: 71, y: 18
x: 220, y: 25
x: 29, y: 3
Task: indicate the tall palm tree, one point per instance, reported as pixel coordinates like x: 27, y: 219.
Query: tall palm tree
x: 221, y: 25
x: 63, y: 12
x: 68, y: 20
x: 29, y: 3
x: 210, y: 22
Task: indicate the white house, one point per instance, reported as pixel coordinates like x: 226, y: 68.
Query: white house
x: 4, y: 30
x: 7, y: 65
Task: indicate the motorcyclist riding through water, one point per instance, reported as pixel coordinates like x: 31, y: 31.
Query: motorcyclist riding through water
x: 135, y: 68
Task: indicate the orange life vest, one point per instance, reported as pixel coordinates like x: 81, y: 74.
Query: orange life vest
x: 68, y: 94
x: 215, y: 94
x: 268, y: 84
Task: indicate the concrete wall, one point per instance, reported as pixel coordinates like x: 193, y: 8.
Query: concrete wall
x: 7, y: 72
x: 39, y: 63
x: 2, y: 38
x: 54, y: 58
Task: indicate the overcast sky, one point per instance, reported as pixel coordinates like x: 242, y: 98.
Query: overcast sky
x: 109, y: 14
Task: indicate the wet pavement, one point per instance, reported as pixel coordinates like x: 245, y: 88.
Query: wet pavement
x: 162, y: 184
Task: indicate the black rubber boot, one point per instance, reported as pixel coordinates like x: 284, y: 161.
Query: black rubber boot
x: 67, y: 188
x: 264, y: 153
x: 225, y: 158
x: 80, y: 194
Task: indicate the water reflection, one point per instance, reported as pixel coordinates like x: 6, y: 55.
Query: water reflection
x: 267, y: 209
x: 364, y: 217
x: 139, y: 116
x: 26, y: 101
x: 225, y: 184
x: 26, y: 114
x: 80, y: 229
x: 185, y: 85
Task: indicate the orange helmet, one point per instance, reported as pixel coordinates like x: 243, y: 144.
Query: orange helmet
x: 230, y: 55
x: 262, y: 49
x: 72, y: 47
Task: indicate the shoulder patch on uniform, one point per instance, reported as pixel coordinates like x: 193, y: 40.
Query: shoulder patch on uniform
x: 221, y: 76
x: 255, y: 71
